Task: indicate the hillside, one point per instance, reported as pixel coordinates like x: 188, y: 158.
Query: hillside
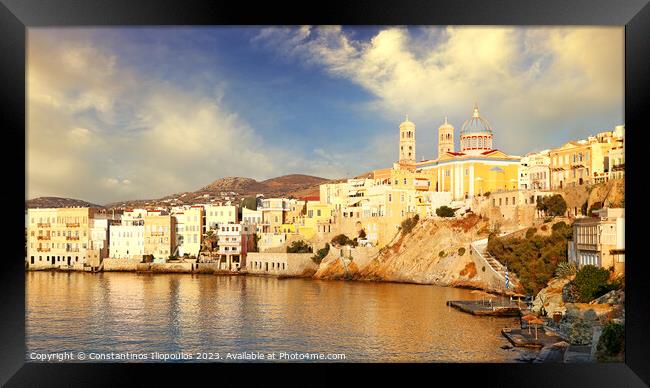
x: 235, y: 188
x: 611, y: 193
x: 56, y: 202
x: 430, y: 254
x: 283, y: 186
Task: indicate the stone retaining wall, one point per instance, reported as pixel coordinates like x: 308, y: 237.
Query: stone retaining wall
x: 120, y: 264
x: 290, y: 264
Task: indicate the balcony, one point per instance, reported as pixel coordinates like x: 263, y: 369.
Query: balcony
x: 72, y: 224
x: 72, y: 238
x: 43, y: 225
x: 42, y: 249
x: 43, y: 237
x: 154, y: 234
x: 72, y: 250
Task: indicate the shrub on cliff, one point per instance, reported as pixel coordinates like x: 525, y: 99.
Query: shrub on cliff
x: 591, y: 282
x: 461, y: 251
x: 299, y: 247
x: 444, y: 211
x: 321, y: 253
x: 533, y: 259
x: 566, y: 269
x: 554, y: 205
x: 531, y: 232
x: 408, y: 224
x: 341, y: 239
x: 611, y: 344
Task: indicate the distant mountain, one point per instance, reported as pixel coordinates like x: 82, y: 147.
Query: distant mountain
x: 231, y: 183
x: 281, y: 186
x: 293, y: 185
x: 55, y: 202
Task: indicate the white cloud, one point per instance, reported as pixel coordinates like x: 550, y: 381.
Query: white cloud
x: 535, y: 85
x: 102, y: 131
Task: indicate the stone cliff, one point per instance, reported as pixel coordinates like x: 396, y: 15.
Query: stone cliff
x: 435, y: 252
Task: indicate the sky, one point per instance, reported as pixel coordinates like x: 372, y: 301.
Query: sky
x: 142, y: 112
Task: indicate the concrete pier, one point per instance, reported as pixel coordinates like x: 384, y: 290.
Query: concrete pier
x: 484, y: 308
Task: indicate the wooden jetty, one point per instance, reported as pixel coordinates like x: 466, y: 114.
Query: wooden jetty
x: 483, y: 308
x: 521, y: 337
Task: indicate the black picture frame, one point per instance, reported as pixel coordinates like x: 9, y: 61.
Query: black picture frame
x: 17, y: 15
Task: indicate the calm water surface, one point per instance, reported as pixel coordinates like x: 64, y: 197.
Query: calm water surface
x: 376, y: 322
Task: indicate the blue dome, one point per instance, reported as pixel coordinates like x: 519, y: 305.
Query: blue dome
x: 476, y: 124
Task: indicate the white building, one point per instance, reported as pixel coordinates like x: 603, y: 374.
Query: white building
x: 600, y: 241
x: 99, y: 237
x: 126, y: 241
x: 234, y: 241
x: 616, y: 162
x: 189, y: 229
x: 216, y: 215
x: 534, y: 171
x: 252, y: 217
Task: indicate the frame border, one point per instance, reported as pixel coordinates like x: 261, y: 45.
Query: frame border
x: 18, y: 15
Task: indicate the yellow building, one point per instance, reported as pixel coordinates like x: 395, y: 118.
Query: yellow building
x: 274, y: 213
x: 316, y: 213
x: 58, y: 237
x: 159, y: 235
x: 582, y: 162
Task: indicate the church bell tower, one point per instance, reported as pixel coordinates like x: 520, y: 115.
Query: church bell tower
x: 445, y: 138
x: 407, y: 142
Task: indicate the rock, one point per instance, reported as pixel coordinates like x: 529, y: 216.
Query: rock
x: 506, y: 347
x: 578, y: 331
x: 612, y: 297
x: 551, y: 297
x: 552, y: 353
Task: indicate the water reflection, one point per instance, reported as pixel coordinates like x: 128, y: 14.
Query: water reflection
x: 126, y: 312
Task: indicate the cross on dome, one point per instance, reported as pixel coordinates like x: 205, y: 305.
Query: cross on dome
x: 476, y: 113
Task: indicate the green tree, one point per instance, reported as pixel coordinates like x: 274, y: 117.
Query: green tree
x: 444, y: 211
x: 340, y: 240
x: 249, y: 203
x: 299, y: 247
x: 320, y: 254
x: 555, y: 205
x: 611, y: 342
x: 591, y: 282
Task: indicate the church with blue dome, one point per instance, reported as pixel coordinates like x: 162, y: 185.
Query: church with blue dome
x: 476, y: 168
